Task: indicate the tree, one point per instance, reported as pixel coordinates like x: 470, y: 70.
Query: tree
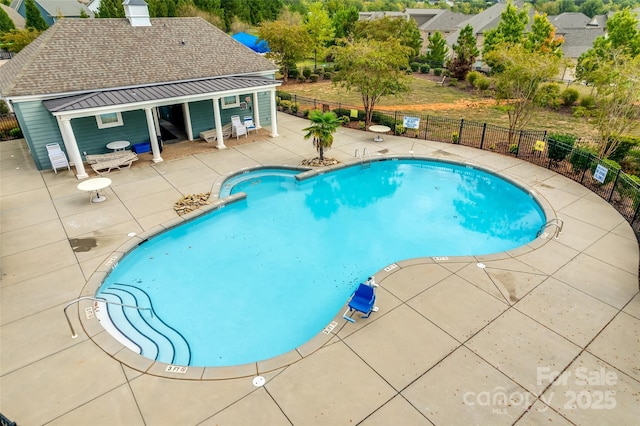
x: 465, y: 53
x: 16, y: 40
x: 320, y: 30
x: 519, y: 79
x: 110, y: 9
x: 542, y: 37
x: 592, y: 8
x: 6, y: 24
x: 33, y: 18
x: 510, y: 30
x: 288, y: 42
x: 437, y: 53
x: 344, y: 21
x: 374, y: 68
x: 617, y: 98
x: 405, y: 31
x: 323, y: 125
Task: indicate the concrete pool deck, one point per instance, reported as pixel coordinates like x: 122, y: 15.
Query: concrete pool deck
x: 453, y: 343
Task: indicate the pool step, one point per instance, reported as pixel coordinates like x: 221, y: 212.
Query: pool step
x: 156, y: 338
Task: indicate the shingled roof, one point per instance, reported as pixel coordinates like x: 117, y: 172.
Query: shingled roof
x: 79, y: 55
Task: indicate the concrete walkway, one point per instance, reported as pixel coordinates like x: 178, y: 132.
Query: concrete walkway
x: 453, y: 343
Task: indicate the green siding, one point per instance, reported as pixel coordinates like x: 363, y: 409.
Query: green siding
x: 93, y: 140
x: 202, y: 113
x: 42, y: 129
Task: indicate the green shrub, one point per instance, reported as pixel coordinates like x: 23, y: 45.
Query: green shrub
x: 613, y: 166
x: 295, y: 107
x: 569, y: 96
x: 328, y: 69
x: 283, y: 95
x: 4, y: 107
x: 580, y: 111
x: 588, y: 102
x: 305, y: 113
x: 301, y: 79
x: 513, y: 148
x: 327, y: 75
x: 472, y: 76
x: 294, y: 73
x: 482, y: 83
x: 560, y: 145
x: 629, y: 186
x: 581, y: 159
x: 625, y: 144
x: 415, y: 66
x: 400, y: 129
x: 425, y: 68
x: 15, y: 133
x: 314, y: 78
x: 385, y: 120
x: 306, y: 72
x: 548, y: 96
x: 361, y: 125
x: 286, y: 105
x: 437, y: 71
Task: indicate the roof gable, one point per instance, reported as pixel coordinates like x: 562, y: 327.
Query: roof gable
x: 77, y: 55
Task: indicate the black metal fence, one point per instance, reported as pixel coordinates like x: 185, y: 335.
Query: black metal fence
x: 617, y: 188
x: 9, y: 127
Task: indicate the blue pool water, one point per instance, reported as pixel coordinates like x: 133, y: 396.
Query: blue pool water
x: 262, y: 276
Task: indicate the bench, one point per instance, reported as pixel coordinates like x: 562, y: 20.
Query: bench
x: 441, y: 83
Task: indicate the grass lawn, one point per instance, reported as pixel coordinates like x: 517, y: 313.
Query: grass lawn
x: 426, y: 97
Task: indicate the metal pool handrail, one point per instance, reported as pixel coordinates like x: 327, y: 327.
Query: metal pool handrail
x: 97, y: 299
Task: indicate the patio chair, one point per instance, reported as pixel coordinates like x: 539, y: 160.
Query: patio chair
x: 57, y: 157
x: 105, y: 166
x: 95, y: 158
x: 363, y: 300
x: 238, y: 128
x: 249, y: 124
x: 212, y: 135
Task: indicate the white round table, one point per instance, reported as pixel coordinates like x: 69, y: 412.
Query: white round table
x: 95, y: 185
x: 379, y: 129
x: 118, y: 145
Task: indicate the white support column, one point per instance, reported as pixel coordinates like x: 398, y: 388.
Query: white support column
x: 71, y: 145
x: 153, y: 136
x: 218, y: 122
x: 274, y: 118
x: 256, y: 111
x: 187, y: 120
x: 156, y: 120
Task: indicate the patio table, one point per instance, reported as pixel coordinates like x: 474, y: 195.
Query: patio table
x: 95, y: 185
x: 380, y: 130
x: 118, y: 145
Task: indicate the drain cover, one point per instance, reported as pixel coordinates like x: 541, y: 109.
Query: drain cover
x: 258, y: 381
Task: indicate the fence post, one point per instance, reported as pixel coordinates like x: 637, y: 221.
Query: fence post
x: 613, y: 188
x: 518, y: 147
x: 460, y: 130
x: 484, y: 130
x: 315, y: 105
x: 395, y: 121
x: 426, y: 127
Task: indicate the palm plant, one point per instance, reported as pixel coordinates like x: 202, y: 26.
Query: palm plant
x: 323, y: 125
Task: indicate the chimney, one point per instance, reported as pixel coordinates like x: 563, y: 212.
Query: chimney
x: 137, y: 12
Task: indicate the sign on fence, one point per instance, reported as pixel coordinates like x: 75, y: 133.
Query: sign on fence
x: 411, y: 122
x: 538, y: 146
x: 354, y: 113
x: 601, y: 173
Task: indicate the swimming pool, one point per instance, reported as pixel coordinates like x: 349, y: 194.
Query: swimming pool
x: 265, y: 274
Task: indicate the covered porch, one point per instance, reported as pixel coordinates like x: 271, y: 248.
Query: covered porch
x: 89, y: 121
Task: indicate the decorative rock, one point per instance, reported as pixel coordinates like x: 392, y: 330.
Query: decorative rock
x: 315, y: 162
x: 190, y: 202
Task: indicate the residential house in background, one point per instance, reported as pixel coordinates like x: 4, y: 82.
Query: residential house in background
x: 51, y: 10
x: 87, y: 82
x: 431, y: 21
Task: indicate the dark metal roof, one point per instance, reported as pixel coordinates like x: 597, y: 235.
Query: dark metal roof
x: 105, y: 98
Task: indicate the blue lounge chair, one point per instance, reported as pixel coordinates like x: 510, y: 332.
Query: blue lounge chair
x: 363, y: 300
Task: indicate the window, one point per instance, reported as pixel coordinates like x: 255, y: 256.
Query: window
x: 230, y: 101
x: 112, y: 119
